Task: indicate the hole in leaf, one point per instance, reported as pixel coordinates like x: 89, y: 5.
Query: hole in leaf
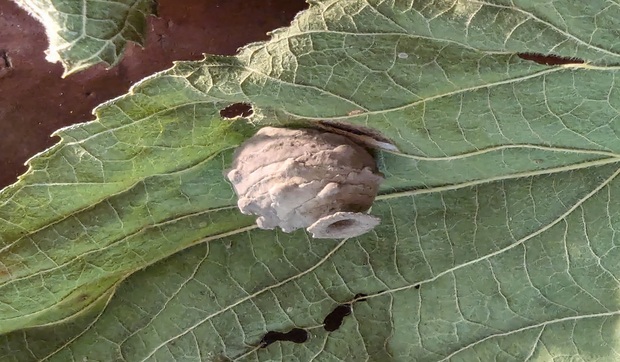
x: 334, y: 319
x: 237, y: 110
x: 295, y: 335
x: 549, y: 59
x: 417, y: 286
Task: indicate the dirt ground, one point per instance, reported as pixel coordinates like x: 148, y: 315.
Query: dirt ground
x: 35, y: 101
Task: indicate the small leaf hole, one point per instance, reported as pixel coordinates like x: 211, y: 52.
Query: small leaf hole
x: 295, y: 335
x: 549, y: 59
x: 237, y: 110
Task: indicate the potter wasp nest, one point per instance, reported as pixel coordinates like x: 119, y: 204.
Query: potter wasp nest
x: 306, y: 178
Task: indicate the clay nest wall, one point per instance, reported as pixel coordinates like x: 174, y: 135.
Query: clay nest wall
x: 306, y: 178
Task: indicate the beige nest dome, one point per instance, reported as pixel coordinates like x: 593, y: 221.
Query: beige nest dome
x: 305, y: 178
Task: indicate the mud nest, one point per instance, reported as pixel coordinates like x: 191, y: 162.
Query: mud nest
x: 305, y: 178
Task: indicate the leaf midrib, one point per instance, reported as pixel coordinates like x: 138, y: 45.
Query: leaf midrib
x: 424, y: 100
x: 517, y: 175
x: 541, y: 325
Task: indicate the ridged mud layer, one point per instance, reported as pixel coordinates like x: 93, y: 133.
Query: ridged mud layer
x: 305, y: 178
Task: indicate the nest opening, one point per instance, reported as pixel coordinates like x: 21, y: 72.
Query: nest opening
x: 343, y: 225
x: 340, y: 226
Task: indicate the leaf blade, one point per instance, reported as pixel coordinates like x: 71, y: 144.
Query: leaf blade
x: 84, y: 33
x: 498, y: 211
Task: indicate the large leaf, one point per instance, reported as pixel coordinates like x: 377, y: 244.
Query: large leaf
x: 82, y: 33
x: 500, y: 214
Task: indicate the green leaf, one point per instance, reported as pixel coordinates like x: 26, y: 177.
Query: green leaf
x: 499, y: 213
x: 82, y: 33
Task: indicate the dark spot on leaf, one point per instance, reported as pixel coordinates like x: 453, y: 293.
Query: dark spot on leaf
x: 295, y: 335
x: 417, y: 286
x: 334, y: 319
x: 236, y: 110
x: 549, y: 59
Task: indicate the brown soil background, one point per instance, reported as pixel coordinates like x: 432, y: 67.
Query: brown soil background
x: 35, y: 101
